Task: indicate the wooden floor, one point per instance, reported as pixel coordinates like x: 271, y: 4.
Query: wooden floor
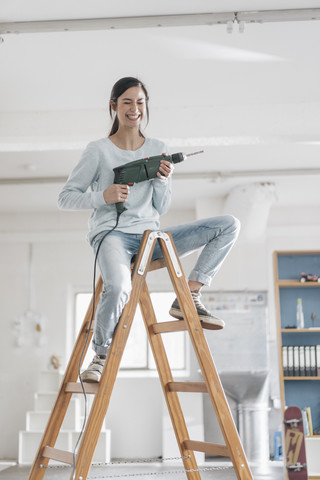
x: 209, y: 471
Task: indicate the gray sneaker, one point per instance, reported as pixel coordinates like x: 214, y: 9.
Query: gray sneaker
x: 205, y: 316
x: 93, y: 372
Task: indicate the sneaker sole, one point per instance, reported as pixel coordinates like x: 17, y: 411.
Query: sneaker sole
x: 90, y: 377
x: 213, y: 323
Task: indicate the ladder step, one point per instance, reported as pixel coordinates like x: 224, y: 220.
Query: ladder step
x: 59, y: 455
x: 75, y: 387
x: 171, y: 326
x: 156, y: 264
x: 179, y: 326
x: 187, y: 387
x: 206, y: 447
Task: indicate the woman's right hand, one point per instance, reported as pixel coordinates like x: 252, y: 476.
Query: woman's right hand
x: 116, y: 193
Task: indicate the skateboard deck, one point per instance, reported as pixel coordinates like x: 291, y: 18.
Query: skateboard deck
x: 295, y: 449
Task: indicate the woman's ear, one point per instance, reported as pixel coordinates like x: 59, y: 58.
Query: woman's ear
x: 113, y: 105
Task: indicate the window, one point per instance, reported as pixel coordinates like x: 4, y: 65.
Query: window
x: 137, y: 354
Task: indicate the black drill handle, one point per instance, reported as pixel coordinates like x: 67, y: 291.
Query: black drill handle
x: 120, y: 208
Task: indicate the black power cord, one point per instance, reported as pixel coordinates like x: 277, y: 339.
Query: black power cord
x: 85, y: 347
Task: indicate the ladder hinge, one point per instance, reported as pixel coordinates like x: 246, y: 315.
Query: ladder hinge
x: 147, y: 249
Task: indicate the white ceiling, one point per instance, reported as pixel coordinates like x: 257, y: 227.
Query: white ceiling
x: 251, y: 100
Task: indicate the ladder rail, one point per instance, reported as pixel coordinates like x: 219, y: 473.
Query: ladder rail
x: 165, y: 376
x: 208, y: 368
x: 102, y: 398
x: 60, y: 407
x: 69, y: 385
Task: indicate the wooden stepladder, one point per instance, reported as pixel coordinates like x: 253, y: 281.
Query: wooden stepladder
x: 103, y: 389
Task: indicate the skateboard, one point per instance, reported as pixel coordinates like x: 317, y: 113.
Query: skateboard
x: 295, y: 449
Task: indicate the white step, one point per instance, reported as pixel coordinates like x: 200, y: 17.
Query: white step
x: 49, y: 381
x: 29, y: 444
x: 37, y: 420
x: 44, y: 401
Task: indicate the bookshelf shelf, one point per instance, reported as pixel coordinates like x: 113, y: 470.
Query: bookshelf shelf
x: 299, y: 330
x: 301, y: 378
x: 298, y: 347
x: 297, y: 283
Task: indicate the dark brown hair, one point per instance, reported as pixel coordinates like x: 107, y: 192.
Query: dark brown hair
x: 118, y: 89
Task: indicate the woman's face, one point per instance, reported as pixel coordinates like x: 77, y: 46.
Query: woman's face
x: 130, y: 107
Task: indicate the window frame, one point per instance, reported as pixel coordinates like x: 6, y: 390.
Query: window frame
x: 147, y: 369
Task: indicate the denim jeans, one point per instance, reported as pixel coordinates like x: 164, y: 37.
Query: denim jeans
x: 215, y: 236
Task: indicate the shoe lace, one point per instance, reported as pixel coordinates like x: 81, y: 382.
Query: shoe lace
x: 97, y: 361
x: 198, y: 304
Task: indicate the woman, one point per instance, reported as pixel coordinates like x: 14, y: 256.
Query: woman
x: 145, y: 202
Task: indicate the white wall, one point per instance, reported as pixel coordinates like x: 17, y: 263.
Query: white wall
x: 58, y: 263
x: 62, y: 260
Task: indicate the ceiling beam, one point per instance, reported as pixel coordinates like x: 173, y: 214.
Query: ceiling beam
x: 211, y: 176
x: 156, y: 21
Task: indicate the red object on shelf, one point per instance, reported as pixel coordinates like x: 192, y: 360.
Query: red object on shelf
x: 309, y: 277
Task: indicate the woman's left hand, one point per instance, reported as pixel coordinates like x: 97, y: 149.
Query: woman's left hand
x: 165, y: 169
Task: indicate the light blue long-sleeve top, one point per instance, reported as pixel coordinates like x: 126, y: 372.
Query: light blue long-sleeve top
x: 94, y: 173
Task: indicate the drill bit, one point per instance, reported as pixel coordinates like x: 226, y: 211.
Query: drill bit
x: 194, y: 153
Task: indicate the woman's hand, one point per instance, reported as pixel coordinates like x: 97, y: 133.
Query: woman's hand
x: 116, y: 193
x: 165, y: 169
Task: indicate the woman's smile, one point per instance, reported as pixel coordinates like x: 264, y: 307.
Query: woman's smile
x: 135, y: 116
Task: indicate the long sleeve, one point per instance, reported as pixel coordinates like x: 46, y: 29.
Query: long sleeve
x: 75, y: 195
x: 161, y: 198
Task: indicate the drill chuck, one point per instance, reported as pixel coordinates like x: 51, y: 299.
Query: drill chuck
x: 178, y: 157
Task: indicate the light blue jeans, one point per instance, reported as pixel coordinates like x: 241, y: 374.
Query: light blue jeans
x: 215, y: 236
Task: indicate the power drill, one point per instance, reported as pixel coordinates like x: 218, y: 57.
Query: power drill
x: 144, y: 169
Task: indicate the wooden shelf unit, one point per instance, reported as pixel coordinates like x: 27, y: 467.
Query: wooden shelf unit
x: 303, y: 391
x: 297, y: 390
